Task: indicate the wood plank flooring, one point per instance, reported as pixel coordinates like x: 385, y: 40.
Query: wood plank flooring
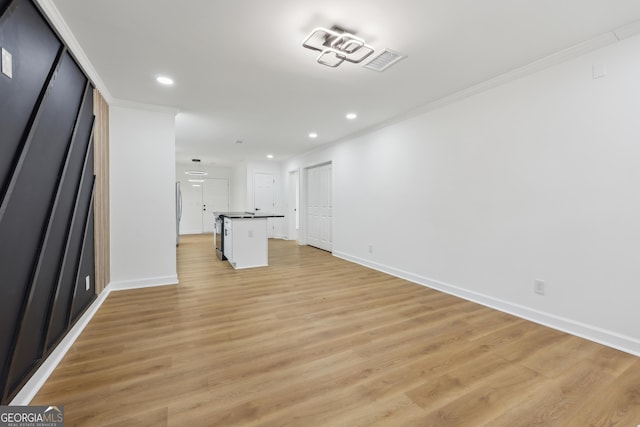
x: 313, y: 340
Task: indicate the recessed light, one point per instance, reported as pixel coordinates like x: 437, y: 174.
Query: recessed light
x: 164, y: 80
x: 352, y: 116
x: 196, y: 173
x: 313, y: 135
x: 195, y: 185
x: 269, y: 156
x: 196, y: 180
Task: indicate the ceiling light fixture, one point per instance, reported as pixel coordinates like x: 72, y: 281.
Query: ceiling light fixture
x: 336, y: 46
x: 196, y: 172
x: 269, y: 156
x: 163, y: 80
x: 196, y: 180
x: 352, y: 116
x: 313, y: 135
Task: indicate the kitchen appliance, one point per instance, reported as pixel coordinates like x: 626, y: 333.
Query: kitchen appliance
x: 178, y: 211
x: 218, y: 236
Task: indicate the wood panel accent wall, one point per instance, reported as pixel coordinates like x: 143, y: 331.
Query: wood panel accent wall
x: 47, y: 268
x: 101, y: 205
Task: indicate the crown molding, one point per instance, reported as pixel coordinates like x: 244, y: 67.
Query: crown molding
x: 627, y: 31
x: 123, y: 103
x: 556, y: 58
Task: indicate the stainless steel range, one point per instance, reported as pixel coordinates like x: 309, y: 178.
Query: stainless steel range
x: 218, y: 237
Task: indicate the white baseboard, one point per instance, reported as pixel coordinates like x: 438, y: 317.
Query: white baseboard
x: 143, y: 283
x: 31, y: 388
x: 570, y: 326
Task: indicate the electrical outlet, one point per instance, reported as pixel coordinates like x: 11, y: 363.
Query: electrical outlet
x: 599, y: 70
x: 87, y: 283
x: 538, y: 287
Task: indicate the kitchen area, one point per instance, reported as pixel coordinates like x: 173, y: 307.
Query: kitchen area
x: 240, y: 206
x: 241, y: 238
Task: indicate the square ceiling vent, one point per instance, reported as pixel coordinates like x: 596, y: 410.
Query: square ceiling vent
x: 384, y: 60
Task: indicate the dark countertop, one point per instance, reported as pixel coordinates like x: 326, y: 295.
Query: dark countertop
x: 245, y: 215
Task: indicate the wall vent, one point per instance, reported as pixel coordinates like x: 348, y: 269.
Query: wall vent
x: 384, y: 60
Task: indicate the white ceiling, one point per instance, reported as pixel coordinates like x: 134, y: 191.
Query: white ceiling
x: 242, y: 74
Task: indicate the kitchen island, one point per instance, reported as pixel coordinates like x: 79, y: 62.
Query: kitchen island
x: 241, y: 238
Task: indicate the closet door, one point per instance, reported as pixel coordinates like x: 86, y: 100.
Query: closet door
x: 320, y: 207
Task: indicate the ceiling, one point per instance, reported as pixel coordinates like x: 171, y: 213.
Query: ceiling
x: 241, y: 73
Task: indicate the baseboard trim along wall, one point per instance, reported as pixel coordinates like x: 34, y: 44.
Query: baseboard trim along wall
x: 143, y: 283
x: 589, y: 332
x: 31, y: 388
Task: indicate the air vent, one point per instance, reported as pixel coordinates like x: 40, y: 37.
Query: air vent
x: 384, y: 60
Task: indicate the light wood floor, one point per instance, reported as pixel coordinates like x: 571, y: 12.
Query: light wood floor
x: 313, y: 340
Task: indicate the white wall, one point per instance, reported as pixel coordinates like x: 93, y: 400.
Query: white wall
x: 239, y: 188
x: 535, y: 179
x: 142, y: 196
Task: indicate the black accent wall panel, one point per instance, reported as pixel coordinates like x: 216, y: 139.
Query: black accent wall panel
x: 59, y: 317
x: 3, y: 5
x: 82, y: 295
x: 25, y: 210
x: 46, y: 193
x: 33, y: 47
x: 29, y: 347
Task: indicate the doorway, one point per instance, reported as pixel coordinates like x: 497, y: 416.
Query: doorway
x: 264, y: 200
x: 215, y: 198
x: 200, y: 199
x: 263, y: 193
x: 319, y: 207
x: 294, y: 205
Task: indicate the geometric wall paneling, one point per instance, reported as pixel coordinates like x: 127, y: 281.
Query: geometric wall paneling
x: 84, y: 290
x: 61, y: 304
x: 25, y: 209
x: 46, y: 184
x: 29, y: 347
x: 3, y: 5
x: 33, y: 47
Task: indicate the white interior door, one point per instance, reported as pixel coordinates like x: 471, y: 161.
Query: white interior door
x: 320, y: 207
x: 215, y: 198
x: 263, y: 198
x: 263, y: 193
x: 191, y: 220
x: 294, y: 205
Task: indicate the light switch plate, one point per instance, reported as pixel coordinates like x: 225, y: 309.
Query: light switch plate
x: 7, y: 63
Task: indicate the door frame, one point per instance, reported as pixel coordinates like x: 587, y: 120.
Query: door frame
x: 302, y: 235
x: 202, y: 199
x: 294, y: 205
